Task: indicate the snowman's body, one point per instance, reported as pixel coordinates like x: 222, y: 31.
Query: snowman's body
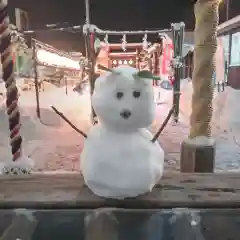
x: 119, y: 160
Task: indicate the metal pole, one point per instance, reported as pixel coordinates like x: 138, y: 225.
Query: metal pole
x: 227, y: 10
x: 36, y: 78
x: 178, y: 35
x: 90, y: 56
x: 87, y: 7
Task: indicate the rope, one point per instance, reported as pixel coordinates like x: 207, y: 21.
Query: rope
x: 207, y: 16
x: 6, y: 52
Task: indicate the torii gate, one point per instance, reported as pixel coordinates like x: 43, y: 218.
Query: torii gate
x: 177, y: 30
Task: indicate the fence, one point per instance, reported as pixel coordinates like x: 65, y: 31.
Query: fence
x: 180, y: 207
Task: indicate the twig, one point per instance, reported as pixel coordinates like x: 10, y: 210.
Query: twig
x: 46, y: 124
x: 101, y: 67
x: 66, y: 120
x: 155, y: 137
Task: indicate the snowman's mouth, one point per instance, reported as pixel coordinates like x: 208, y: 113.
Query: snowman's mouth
x: 125, y: 114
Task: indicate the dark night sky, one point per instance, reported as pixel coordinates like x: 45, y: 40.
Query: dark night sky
x: 109, y: 14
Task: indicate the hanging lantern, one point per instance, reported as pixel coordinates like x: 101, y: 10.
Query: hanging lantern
x: 145, y: 42
x: 124, y: 43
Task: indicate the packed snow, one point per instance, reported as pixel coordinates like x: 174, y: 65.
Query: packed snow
x: 118, y: 159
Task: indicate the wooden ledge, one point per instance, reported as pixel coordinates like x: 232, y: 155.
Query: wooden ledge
x: 68, y: 191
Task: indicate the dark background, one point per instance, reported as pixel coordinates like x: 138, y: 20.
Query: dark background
x: 108, y: 14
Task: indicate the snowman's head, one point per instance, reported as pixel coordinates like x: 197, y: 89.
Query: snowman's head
x: 123, y: 100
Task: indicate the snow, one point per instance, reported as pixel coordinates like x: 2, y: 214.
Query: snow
x: 109, y: 108
x: 55, y: 147
x: 118, y: 159
x: 121, y: 165
x: 225, y: 128
x: 200, y: 141
x: 44, y: 140
x: 23, y: 165
x: 229, y: 110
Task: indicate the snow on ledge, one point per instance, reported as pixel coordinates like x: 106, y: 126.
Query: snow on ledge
x: 52, y: 172
x: 23, y: 165
x: 200, y: 141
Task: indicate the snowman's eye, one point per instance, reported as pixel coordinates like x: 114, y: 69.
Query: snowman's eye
x: 119, y: 95
x: 136, y: 94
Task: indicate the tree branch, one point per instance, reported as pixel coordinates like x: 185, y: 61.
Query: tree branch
x: 68, y: 121
x: 155, y: 137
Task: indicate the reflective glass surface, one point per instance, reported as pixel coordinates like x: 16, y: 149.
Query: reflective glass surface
x: 175, y: 224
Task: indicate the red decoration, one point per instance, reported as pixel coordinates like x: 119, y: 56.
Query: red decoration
x: 92, y: 39
x: 171, y: 79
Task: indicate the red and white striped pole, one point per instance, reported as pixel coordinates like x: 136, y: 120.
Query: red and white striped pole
x: 18, y: 164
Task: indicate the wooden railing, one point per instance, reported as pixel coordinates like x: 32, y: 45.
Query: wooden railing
x: 215, y: 198
x: 174, y: 190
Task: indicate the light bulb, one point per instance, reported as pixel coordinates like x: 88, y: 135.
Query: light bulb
x: 120, y: 62
x: 130, y: 62
x: 114, y: 62
x: 125, y: 62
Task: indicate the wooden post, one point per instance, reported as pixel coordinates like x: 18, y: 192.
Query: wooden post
x: 36, y: 78
x: 189, y: 66
x: 198, y: 151
x: 177, y: 32
x: 91, y: 58
x: 137, y: 60
x: 66, y: 85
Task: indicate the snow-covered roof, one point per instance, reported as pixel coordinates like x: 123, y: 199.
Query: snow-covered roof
x: 188, y: 45
x: 187, y: 48
x: 188, y: 37
x: 229, y: 25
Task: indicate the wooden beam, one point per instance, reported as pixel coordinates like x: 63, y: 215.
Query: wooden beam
x: 123, y: 54
x: 128, y: 46
x: 69, y: 191
x: 229, y: 25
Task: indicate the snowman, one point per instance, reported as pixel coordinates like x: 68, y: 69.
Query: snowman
x: 118, y: 159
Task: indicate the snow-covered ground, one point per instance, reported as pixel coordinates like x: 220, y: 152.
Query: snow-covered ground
x: 55, y: 146
x: 225, y: 125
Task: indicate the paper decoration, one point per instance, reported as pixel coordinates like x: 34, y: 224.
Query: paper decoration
x: 145, y: 42
x: 106, y: 40
x: 97, y: 44
x: 124, y: 42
